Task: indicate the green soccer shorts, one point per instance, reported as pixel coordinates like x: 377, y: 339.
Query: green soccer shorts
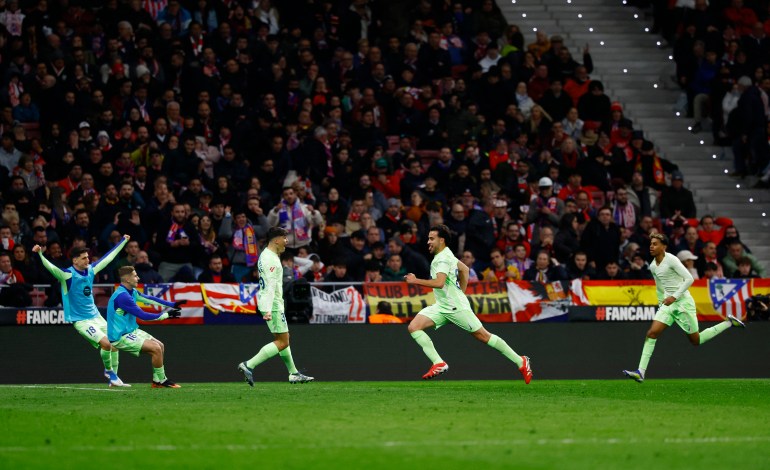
x: 93, y: 329
x: 277, y: 324
x: 465, y: 319
x: 682, y: 312
x: 132, y: 342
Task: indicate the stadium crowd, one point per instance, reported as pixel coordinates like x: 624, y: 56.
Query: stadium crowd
x: 722, y: 54
x: 194, y: 126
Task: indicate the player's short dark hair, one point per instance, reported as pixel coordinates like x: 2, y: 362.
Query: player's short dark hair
x: 125, y: 271
x: 443, y: 232
x: 660, y: 237
x: 77, y: 251
x: 275, y: 232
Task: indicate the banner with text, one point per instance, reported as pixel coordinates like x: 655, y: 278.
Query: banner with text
x: 340, y: 306
x: 489, y: 300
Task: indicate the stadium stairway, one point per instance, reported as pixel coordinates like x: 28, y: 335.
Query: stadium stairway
x: 637, y: 70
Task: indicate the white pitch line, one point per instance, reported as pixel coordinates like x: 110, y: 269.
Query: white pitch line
x: 65, y: 388
x: 388, y: 444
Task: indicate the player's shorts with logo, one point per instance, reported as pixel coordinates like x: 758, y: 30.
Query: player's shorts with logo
x: 682, y: 312
x: 465, y: 319
x: 93, y: 329
x: 132, y: 342
x: 277, y: 324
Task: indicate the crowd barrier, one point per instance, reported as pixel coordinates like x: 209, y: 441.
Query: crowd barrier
x: 494, y: 302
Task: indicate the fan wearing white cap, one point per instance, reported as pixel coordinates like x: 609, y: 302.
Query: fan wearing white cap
x: 545, y: 209
x: 688, y: 260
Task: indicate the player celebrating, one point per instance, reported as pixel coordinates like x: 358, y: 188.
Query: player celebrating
x: 270, y: 305
x: 672, y: 279
x: 449, y: 280
x: 77, y: 282
x: 123, y: 332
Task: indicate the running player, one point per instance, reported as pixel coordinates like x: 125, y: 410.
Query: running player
x: 672, y: 279
x: 123, y: 332
x: 77, y: 283
x: 449, y: 280
x: 270, y: 305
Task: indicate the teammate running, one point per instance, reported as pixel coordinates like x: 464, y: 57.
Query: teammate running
x: 672, y: 279
x: 124, y: 333
x: 77, y: 284
x: 270, y: 305
x: 449, y: 280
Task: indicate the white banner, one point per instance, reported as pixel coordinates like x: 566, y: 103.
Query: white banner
x: 341, y: 306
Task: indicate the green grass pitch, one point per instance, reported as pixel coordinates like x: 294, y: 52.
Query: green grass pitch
x: 440, y: 424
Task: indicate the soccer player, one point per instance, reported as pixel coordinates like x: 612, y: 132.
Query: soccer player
x: 449, y: 280
x: 123, y: 332
x: 77, y: 282
x: 672, y: 279
x: 270, y: 305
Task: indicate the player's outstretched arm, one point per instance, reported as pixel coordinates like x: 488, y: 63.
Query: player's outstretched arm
x: 436, y: 283
x: 152, y: 300
x: 126, y: 303
x: 463, y: 274
x: 52, y: 268
x: 107, y: 258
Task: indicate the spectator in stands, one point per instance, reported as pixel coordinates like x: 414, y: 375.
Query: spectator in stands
x: 147, y: 274
x: 677, y: 199
x: 567, y: 240
x: 339, y: 274
x: 612, y: 272
x: 176, y: 240
x: 624, y: 213
x: 745, y: 269
x: 709, y: 256
x: 412, y: 261
x: 544, y: 270
x: 243, y: 237
x: 750, y: 150
x: 296, y: 217
x: 643, y: 197
x: 498, y: 269
x: 730, y: 235
x: 736, y: 253
x: 394, y: 270
x: 578, y: 267
x: 688, y: 259
x: 546, y: 209
x: 690, y: 242
x: 709, y: 231
x: 601, y: 239
x: 216, y: 272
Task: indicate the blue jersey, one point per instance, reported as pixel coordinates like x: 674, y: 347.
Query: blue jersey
x: 77, y: 286
x: 122, y: 311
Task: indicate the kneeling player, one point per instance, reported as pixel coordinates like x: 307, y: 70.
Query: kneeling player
x: 124, y: 333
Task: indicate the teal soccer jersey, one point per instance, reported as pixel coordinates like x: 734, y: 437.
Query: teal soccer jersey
x: 76, y: 286
x: 449, y: 297
x: 122, y: 311
x: 270, y: 294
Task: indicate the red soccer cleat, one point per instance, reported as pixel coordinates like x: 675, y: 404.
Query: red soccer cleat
x: 165, y: 384
x: 526, y: 370
x: 436, y: 370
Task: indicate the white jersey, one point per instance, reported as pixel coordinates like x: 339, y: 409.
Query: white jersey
x: 672, y: 279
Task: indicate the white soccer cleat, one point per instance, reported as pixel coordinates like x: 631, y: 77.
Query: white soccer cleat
x: 300, y: 378
x: 735, y: 322
x: 114, y: 379
x: 634, y: 374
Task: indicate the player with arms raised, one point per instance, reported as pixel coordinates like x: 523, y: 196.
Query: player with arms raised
x: 124, y: 333
x: 449, y: 280
x: 672, y: 279
x: 77, y: 283
x: 270, y: 305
